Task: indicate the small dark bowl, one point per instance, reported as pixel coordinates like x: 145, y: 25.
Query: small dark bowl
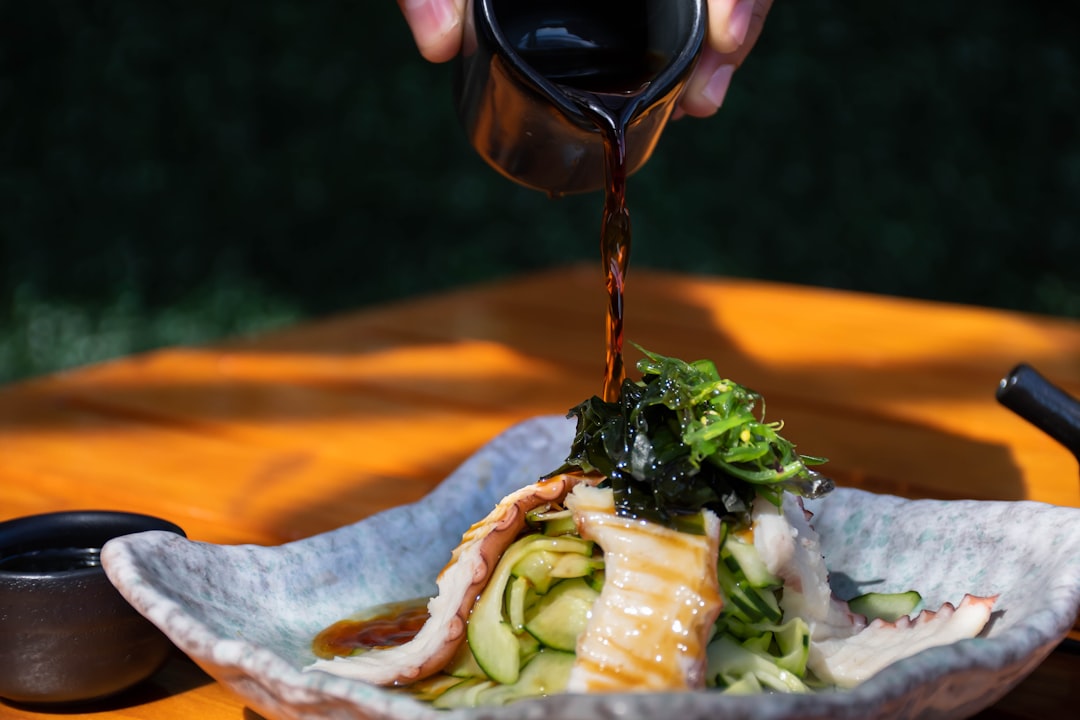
x: 66, y: 634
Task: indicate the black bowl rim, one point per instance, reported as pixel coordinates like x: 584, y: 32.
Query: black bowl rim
x: 35, y: 530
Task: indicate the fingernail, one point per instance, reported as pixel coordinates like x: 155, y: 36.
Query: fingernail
x: 739, y: 22
x: 434, y: 15
x: 717, y: 86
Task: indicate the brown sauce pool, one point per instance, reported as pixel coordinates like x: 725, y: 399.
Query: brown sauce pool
x: 388, y: 625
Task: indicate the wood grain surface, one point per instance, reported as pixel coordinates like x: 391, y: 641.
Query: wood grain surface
x: 297, y: 432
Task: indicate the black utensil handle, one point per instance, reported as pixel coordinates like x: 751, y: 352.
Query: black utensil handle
x: 1043, y: 404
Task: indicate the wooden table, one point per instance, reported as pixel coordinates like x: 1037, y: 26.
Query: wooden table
x: 303, y: 430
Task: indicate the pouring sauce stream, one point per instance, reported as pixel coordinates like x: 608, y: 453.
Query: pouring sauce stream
x: 607, y: 84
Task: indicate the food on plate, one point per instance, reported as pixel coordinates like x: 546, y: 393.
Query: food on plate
x: 671, y: 551
x: 470, y: 568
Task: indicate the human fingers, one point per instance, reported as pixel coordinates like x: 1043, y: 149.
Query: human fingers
x: 436, y: 26
x: 734, y: 27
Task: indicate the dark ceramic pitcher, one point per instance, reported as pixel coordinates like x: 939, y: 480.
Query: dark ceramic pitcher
x: 523, y: 61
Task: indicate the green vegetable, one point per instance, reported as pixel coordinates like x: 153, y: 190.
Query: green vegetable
x: 741, y: 555
x: 751, y: 651
x: 560, y: 616
x: 526, y: 622
x: 546, y: 673
x: 742, y: 668
x: 464, y: 665
x: 492, y: 636
x: 682, y: 439
x: 890, y: 607
x: 749, y: 590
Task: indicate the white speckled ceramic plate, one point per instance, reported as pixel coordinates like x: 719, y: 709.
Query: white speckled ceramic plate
x: 247, y: 614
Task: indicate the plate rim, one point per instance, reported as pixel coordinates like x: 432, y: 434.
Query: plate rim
x: 244, y: 666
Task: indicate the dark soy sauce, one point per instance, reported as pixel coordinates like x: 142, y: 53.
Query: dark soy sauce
x: 614, y: 250
x: 52, y: 560
x: 599, y: 55
x: 385, y: 626
x: 597, y: 47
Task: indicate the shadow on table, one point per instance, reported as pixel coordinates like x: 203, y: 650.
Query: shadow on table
x: 179, y: 675
x: 500, y: 351
x: 870, y: 447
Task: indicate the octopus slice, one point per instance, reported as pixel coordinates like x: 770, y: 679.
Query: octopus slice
x: 460, y: 582
x: 845, y: 649
x: 845, y: 662
x: 649, y: 626
x: 791, y: 549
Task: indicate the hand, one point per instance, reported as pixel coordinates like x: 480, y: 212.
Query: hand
x: 436, y: 26
x: 734, y: 27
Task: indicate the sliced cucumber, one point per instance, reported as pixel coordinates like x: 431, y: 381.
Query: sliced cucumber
x: 729, y: 664
x: 491, y: 637
x: 747, y: 559
x: 517, y: 595
x: 539, y: 565
x: 751, y: 652
x: 793, y: 640
x: 575, y: 566
x: 528, y: 646
x: 747, y: 603
x: 559, y: 617
x: 746, y: 685
x: 465, y: 694
x: 759, y: 643
x: 464, y: 665
x: 432, y: 688
x: 536, y: 568
x: 546, y: 673
x: 890, y: 607
x: 561, y: 525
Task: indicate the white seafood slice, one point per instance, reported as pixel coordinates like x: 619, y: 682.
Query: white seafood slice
x: 649, y: 627
x: 791, y: 549
x: 846, y: 662
x: 844, y: 649
x: 459, y: 584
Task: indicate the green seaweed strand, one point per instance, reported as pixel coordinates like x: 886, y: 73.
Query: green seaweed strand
x: 682, y: 439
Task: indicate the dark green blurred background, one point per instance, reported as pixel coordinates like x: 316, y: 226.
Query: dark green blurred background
x: 176, y: 172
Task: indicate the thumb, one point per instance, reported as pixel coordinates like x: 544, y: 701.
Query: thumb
x: 436, y: 26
